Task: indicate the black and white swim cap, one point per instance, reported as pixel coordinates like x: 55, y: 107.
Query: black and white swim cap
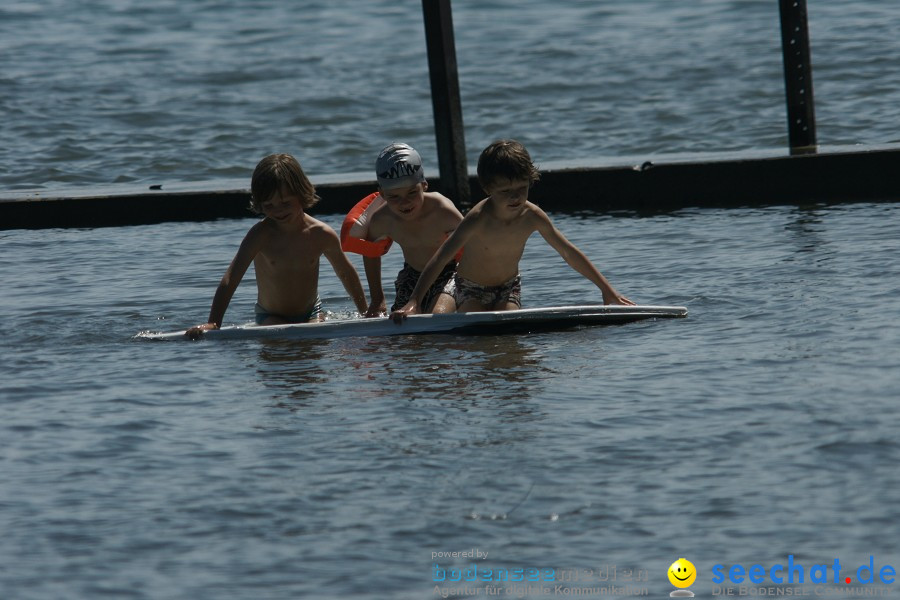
x: 399, y: 165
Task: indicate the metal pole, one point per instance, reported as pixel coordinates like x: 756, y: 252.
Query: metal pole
x: 448, y: 122
x: 798, y: 76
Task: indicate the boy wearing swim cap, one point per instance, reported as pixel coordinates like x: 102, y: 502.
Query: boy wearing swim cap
x: 494, y: 234
x: 418, y: 220
x: 285, y: 248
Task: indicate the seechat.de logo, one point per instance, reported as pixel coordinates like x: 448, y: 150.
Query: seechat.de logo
x: 795, y: 572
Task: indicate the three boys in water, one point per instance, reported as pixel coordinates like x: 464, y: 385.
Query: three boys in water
x: 451, y: 263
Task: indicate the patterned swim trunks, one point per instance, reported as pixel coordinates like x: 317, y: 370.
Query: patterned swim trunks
x: 407, y: 279
x: 487, y: 296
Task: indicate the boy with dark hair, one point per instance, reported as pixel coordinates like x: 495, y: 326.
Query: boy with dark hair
x: 494, y: 233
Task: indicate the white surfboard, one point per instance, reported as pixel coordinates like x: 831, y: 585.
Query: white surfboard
x: 473, y: 323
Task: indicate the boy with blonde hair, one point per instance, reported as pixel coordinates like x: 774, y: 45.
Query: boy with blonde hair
x: 494, y: 233
x: 285, y: 248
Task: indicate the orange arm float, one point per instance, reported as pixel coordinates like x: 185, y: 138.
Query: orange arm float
x: 358, y: 219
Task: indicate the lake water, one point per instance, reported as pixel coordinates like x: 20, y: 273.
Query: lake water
x: 761, y: 427
x: 97, y: 92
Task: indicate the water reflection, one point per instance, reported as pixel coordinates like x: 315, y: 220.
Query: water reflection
x: 293, y: 370
x: 462, y: 372
x: 805, y: 228
x: 466, y: 373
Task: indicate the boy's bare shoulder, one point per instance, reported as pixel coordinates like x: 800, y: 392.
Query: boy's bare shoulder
x: 318, y: 227
x: 438, y: 206
x: 477, y: 210
x: 381, y: 215
x: 535, y: 211
x: 314, y: 223
x: 260, y: 230
x: 476, y: 218
x: 533, y: 218
x: 259, y: 237
x: 438, y: 200
x: 536, y: 215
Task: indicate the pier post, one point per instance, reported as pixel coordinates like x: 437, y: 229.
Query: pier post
x: 448, y: 122
x: 798, y: 76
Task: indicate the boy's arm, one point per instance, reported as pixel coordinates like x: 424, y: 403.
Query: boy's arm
x: 343, y: 268
x: 577, y: 260
x: 444, y: 254
x: 377, y: 305
x: 372, y: 266
x: 229, y: 283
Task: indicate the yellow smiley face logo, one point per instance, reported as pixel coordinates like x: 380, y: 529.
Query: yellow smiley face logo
x: 682, y: 573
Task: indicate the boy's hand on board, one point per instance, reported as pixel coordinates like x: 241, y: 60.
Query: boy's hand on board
x: 196, y: 332
x: 617, y: 298
x: 398, y: 316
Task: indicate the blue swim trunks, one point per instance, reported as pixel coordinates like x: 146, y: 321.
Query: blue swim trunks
x: 262, y: 314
